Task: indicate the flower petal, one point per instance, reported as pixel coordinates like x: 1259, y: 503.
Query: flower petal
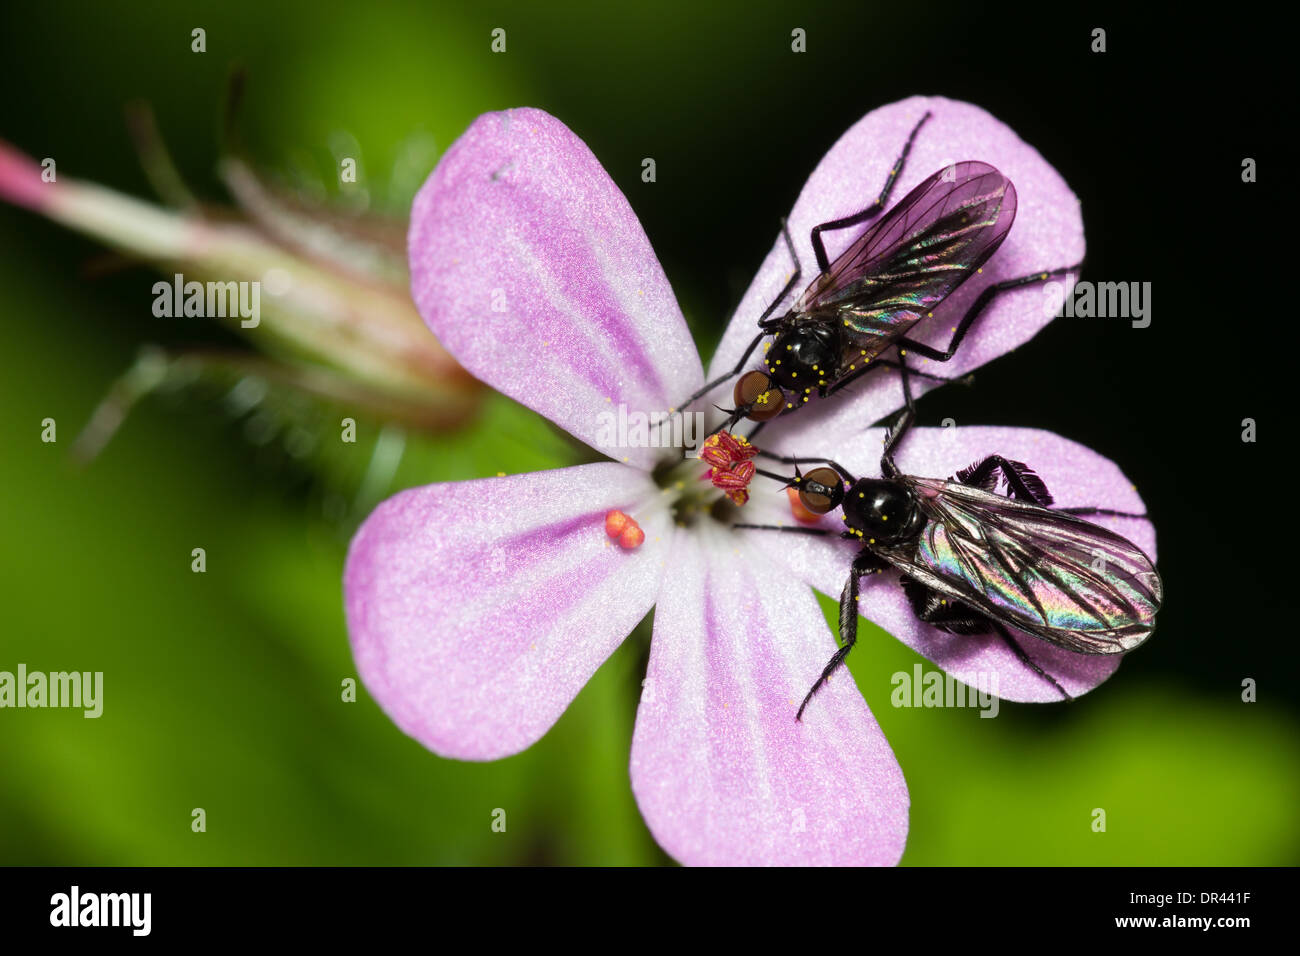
x: 1076, y: 477
x: 478, y: 609
x: 530, y: 267
x: 1047, y: 234
x: 721, y: 771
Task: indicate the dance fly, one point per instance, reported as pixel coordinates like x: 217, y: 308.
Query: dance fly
x: 897, y: 273
x: 975, y: 561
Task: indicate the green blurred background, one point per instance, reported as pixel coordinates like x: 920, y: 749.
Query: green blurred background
x: 222, y: 690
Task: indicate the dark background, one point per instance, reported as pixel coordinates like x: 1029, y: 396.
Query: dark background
x: 1150, y: 135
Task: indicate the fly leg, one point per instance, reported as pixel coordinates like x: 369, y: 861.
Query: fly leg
x: 788, y: 529
x: 984, y: 298
x: 887, y: 466
x: 864, y: 563
x: 1027, y: 486
x: 1022, y: 482
x: 941, y: 611
x: 1027, y: 661
x: 1101, y: 511
x: 819, y: 249
x: 716, y: 382
x: 954, y: 617
x: 856, y: 374
x: 765, y: 327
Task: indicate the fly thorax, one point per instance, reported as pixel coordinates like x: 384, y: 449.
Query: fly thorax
x: 803, y: 358
x: 881, y: 511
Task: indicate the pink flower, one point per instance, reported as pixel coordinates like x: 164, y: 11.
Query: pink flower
x: 477, y: 610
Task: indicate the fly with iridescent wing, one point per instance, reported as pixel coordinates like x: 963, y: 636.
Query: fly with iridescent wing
x: 901, y: 270
x: 974, y: 561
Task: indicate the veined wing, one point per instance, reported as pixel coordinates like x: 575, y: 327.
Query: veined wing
x: 919, y: 251
x: 1050, y: 574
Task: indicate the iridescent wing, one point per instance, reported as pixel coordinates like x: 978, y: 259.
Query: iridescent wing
x: 1053, y: 575
x: 915, y: 255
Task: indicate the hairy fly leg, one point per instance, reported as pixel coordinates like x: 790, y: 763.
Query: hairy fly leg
x: 864, y: 563
x: 942, y: 612
x: 980, y: 303
x: 1022, y: 481
x: 1027, y: 660
x: 862, y: 215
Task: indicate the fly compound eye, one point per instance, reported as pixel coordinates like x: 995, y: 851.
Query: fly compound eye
x: 756, y: 392
x: 820, y: 491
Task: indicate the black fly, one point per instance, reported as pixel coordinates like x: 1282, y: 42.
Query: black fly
x: 892, y: 276
x: 974, y: 561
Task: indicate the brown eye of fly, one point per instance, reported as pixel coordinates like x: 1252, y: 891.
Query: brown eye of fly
x: 819, y: 491
x: 755, y: 391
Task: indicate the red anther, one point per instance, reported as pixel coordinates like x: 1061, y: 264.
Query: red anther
x: 798, y: 510
x: 723, y: 449
x: 738, y: 476
x: 631, y: 537
x: 615, y: 522
x: 731, y: 470
x: 624, y: 530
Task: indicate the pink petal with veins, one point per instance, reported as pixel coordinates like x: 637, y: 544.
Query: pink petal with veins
x: 530, y: 267
x: 478, y: 609
x: 722, y: 772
